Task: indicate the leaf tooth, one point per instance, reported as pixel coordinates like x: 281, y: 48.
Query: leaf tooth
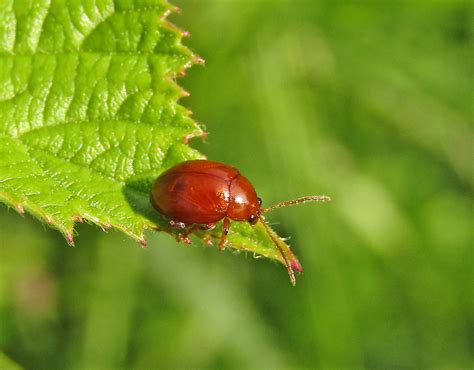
x: 172, y: 27
x: 91, y: 218
x: 69, y: 238
x: 77, y: 218
x: 20, y: 209
x: 38, y: 213
x: 202, y: 135
x: 105, y: 226
x: 171, y: 9
x: 180, y: 33
x: 175, y: 9
x: 141, y: 238
x: 198, y: 60
x: 178, y: 91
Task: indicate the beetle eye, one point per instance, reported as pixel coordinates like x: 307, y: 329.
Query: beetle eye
x: 252, y: 219
x: 259, y: 201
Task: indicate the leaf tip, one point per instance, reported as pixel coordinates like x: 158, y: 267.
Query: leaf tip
x: 295, y: 265
x: 143, y: 242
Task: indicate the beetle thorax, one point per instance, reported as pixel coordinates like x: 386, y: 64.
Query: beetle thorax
x: 243, y: 202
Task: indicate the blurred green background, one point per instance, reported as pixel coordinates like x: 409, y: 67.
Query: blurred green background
x: 367, y: 101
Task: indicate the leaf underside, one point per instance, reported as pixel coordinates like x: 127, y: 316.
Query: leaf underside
x: 89, y: 114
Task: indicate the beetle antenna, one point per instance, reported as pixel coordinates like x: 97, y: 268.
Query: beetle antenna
x: 285, y: 252
x: 309, y: 198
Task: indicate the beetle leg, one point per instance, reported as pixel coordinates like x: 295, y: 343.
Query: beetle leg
x: 208, y: 237
x: 181, y: 237
x: 225, y: 231
x: 177, y: 224
x: 206, y: 227
x: 184, y: 238
x: 208, y: 240
x: 198, y: 227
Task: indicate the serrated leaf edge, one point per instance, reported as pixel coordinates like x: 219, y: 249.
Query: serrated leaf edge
x: 68, y: 231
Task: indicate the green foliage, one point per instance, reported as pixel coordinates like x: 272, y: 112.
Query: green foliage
x: 7, y: 364
x: 367, y: 101
x: 89, y: 114
x: 88, y: 110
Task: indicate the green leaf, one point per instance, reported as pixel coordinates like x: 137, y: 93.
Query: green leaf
x: 89, y: 114
x: 8, y: 364
x: 88, y: 108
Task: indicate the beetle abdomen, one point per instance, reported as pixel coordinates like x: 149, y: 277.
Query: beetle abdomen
x: 191, y: 197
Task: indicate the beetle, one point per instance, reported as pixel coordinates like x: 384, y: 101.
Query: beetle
x: 197, y: 194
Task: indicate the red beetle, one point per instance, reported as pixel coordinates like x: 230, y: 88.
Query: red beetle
x: 196, y: 194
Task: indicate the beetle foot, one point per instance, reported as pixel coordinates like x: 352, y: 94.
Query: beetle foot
x: 222, y: 244
x: 177, y: 224
x: 208, y: 241
x: 184, y: 238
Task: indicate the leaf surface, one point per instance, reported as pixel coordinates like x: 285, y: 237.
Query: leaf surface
x: 89, y: 114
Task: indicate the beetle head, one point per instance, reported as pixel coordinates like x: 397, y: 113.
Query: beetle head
x: 253, y: 219
x: 255, y: 215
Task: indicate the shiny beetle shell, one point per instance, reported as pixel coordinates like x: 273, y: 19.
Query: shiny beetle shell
x: 204, y: 192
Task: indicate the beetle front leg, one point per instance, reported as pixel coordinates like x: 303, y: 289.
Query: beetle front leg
x: 225, y: 231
